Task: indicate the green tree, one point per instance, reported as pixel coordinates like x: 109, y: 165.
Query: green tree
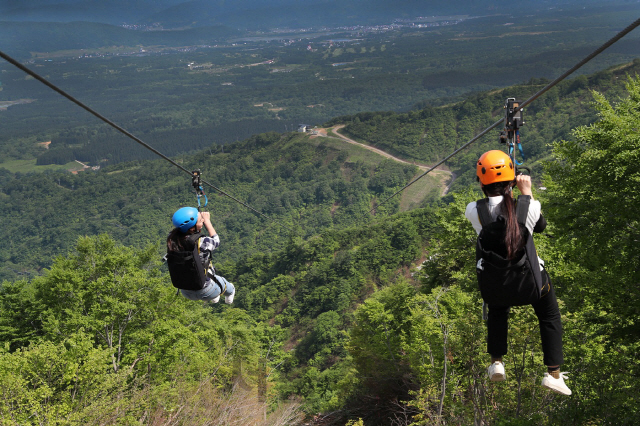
x: 49, y: 382
x: 104, y: 322
x: 109, y: 291
x: 594, y: 199
x: 375, y: 340
x: 451, y: 255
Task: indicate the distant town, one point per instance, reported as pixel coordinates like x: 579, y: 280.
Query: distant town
x: 285, y: 36
x: 417, y: 22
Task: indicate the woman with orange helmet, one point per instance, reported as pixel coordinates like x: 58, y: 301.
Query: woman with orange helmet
x: 505, y: 229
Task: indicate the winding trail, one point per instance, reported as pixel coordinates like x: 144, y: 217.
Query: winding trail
x: 422, y: 167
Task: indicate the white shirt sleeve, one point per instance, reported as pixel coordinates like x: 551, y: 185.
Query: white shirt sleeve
x: 471, y: 213
x: 535, y: 209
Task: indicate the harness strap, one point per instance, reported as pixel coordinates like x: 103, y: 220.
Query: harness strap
x: 522, y: 209
x: 511, y: 148
x: 223, y: 287
x: 196, y: 183
x: 193, y: 239
x: 196, y: 241
x: 500, y: 262
x: 200, y: 193
x: 482, y: 206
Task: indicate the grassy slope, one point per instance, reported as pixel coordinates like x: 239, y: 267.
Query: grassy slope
x: 305, y: 185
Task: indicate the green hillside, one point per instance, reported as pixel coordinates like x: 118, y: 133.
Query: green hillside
x: 184, y: 90
x: 342, y: 327
x: 339, y: 312
x: 305, y: 184
x: 430, y: 133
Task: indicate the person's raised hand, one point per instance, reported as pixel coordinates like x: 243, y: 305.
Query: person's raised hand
x: 523, y: 182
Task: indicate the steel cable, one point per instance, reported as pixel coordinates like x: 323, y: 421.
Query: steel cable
x: 119, y: 128
x: 522, y: 105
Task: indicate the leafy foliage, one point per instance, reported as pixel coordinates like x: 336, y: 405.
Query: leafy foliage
x: 104, y: 320
x: 593, y: 194
x: 430, y: 133
x: 342, y: 319
x: 307, y: 184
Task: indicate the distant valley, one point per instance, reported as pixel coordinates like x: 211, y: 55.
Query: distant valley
x: 208, y: 85
x: 357, y: 298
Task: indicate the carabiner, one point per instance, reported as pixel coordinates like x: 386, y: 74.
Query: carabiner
x: 200, y: 193
x: 195, y: 182
x: 511, y: 147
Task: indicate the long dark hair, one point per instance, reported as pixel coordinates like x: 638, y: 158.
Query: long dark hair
x: 512, y: 237
x: 176, y: 239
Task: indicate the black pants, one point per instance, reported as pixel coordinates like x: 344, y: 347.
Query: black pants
x: 548, y: 314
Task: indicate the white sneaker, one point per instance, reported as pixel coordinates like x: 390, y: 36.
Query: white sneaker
x: 229, y: 299
x: 496, y: 372
x: 216, y: 299
x: 556, y: 385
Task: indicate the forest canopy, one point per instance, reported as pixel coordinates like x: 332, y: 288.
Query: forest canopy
x: 387, y: 312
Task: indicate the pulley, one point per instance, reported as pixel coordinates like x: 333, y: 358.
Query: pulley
x: 513, y: 120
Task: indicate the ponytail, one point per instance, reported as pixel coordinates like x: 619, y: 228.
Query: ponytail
x: 512, y: 236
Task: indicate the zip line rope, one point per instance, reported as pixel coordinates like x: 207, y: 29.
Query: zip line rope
x: 475, y: 138
x: 119, y: 128
x: 522, y: 105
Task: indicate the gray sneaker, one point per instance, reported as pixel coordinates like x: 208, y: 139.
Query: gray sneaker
x: 496, y: 372
x: 556, y: 385
x: 229, y: 299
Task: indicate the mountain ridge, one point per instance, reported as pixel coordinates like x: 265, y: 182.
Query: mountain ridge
x: 250, y: 13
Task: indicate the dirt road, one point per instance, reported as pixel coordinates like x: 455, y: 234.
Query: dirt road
x: 438, y: 171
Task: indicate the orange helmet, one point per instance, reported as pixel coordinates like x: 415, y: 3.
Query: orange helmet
x: 495, y: 166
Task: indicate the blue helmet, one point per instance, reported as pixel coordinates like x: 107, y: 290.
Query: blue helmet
x: 185, y: 218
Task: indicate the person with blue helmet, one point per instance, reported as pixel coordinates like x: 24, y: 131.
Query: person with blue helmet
x: 184, y: 239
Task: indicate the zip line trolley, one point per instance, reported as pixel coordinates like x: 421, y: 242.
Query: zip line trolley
x: 513, y: 120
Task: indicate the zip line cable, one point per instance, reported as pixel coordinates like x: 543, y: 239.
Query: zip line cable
x: 522, y: 105
x: 119, y: 128
x: 595, y: 53
x: 475, y: 138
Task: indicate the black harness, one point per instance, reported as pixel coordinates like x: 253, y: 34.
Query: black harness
x: 502, y: 281
x: 186, y: 267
